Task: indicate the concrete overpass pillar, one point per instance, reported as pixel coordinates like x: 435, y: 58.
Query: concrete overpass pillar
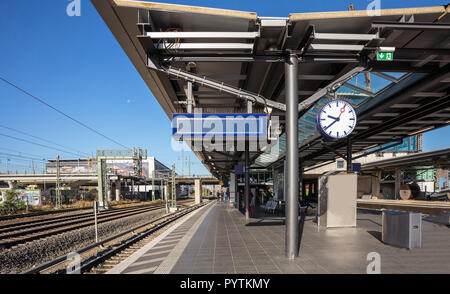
x: 232, y: 189
x: 118, y: 190
x: 109, y: 192
x: 198, y: 191
x: 166, y: 189
x: 10, y: 184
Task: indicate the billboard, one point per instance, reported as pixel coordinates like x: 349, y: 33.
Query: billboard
x: 126, y: 167
x: 31, y: 197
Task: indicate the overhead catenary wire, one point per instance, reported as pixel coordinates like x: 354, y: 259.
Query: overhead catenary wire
x: 23, y: 153
x: 38, y: 144
x: 62, y: 113
x: 45, y: 140
x: 20, y: 157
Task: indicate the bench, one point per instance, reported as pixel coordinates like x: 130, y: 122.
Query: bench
x: 270, y: 207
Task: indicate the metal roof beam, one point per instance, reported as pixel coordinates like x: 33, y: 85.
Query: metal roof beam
x: 305, y: 104
x: 203, y: 35
x: 385, y: 114
x: 417, y: 26
x: 222, y: 58
x: 217, y: 85
x: 351, y: 86
x: 345, y: 37
x: 336, y: 47
x: 316, y: 77
x: 385, y: 76
x: 430, y: 94
x: 206, y: 46
x: 404, y: 105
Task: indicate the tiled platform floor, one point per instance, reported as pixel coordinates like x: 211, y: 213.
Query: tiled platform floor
x: 224, y: 243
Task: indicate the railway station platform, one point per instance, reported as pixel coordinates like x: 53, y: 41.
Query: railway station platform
x: 216, y: 239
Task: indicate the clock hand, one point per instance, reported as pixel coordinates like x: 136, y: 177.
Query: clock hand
x: 342, y: 111
x: 336, y: 118
x: 326, y: 128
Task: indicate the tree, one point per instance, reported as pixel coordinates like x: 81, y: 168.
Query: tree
x: 12, y: 204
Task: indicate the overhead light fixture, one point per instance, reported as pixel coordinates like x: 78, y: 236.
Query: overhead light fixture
x: 209, y: 157
x: 421, y: 131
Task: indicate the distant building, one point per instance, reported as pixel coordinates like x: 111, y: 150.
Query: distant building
x: 119, y: 167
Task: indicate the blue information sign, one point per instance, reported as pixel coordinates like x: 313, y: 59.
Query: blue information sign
x: 219, y: 125
x: 239, y: 169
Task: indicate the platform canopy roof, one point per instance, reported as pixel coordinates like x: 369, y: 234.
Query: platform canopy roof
x: 432, y: 159
x: 337, y: 58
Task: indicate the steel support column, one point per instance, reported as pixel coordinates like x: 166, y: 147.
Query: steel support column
x: 232, y: 188
x: 247, y: 180
x: 189, y: 98
x: 301, y: 189
x: 349, y: 155
x: 291, y: 88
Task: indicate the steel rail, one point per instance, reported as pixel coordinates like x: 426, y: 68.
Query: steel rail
x: 31, y: 223
x: 62, y: 228
x: 25, y: 229
x: 124, y: 244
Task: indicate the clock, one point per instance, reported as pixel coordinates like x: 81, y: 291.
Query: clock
x: 337, y: 119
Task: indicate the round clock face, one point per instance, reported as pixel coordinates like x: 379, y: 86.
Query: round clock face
x: 336, y: 119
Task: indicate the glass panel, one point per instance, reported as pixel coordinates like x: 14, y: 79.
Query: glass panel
x: 396, y: 75
x: 369, y: 82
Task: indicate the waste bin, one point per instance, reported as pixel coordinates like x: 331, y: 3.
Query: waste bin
x: 402, y: 228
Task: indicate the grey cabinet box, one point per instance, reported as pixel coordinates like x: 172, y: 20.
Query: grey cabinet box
x: 402, y: 228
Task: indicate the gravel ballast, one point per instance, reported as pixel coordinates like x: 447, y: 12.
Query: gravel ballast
x: 22, y: 257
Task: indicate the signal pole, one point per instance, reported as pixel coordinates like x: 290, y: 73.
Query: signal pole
x: 153, y: 185
x: 58, y: 184
x: 174, y: 189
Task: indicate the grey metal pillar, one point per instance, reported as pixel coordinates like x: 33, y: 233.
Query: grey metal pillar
x: 232, y: 185
x: 291, y: 89
x: 300, y: 180
x: 349, y: 155
x: 189, y: 98
x: 247, y: 180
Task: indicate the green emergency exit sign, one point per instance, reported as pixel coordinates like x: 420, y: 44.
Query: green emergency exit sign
x: 385, y: 56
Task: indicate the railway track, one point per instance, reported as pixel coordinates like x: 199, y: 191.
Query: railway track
x: 24, y: 232
x: 40, y: 213
x: 99, y: 257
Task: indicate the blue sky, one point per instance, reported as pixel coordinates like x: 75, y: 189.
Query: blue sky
x: 76, y: 65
